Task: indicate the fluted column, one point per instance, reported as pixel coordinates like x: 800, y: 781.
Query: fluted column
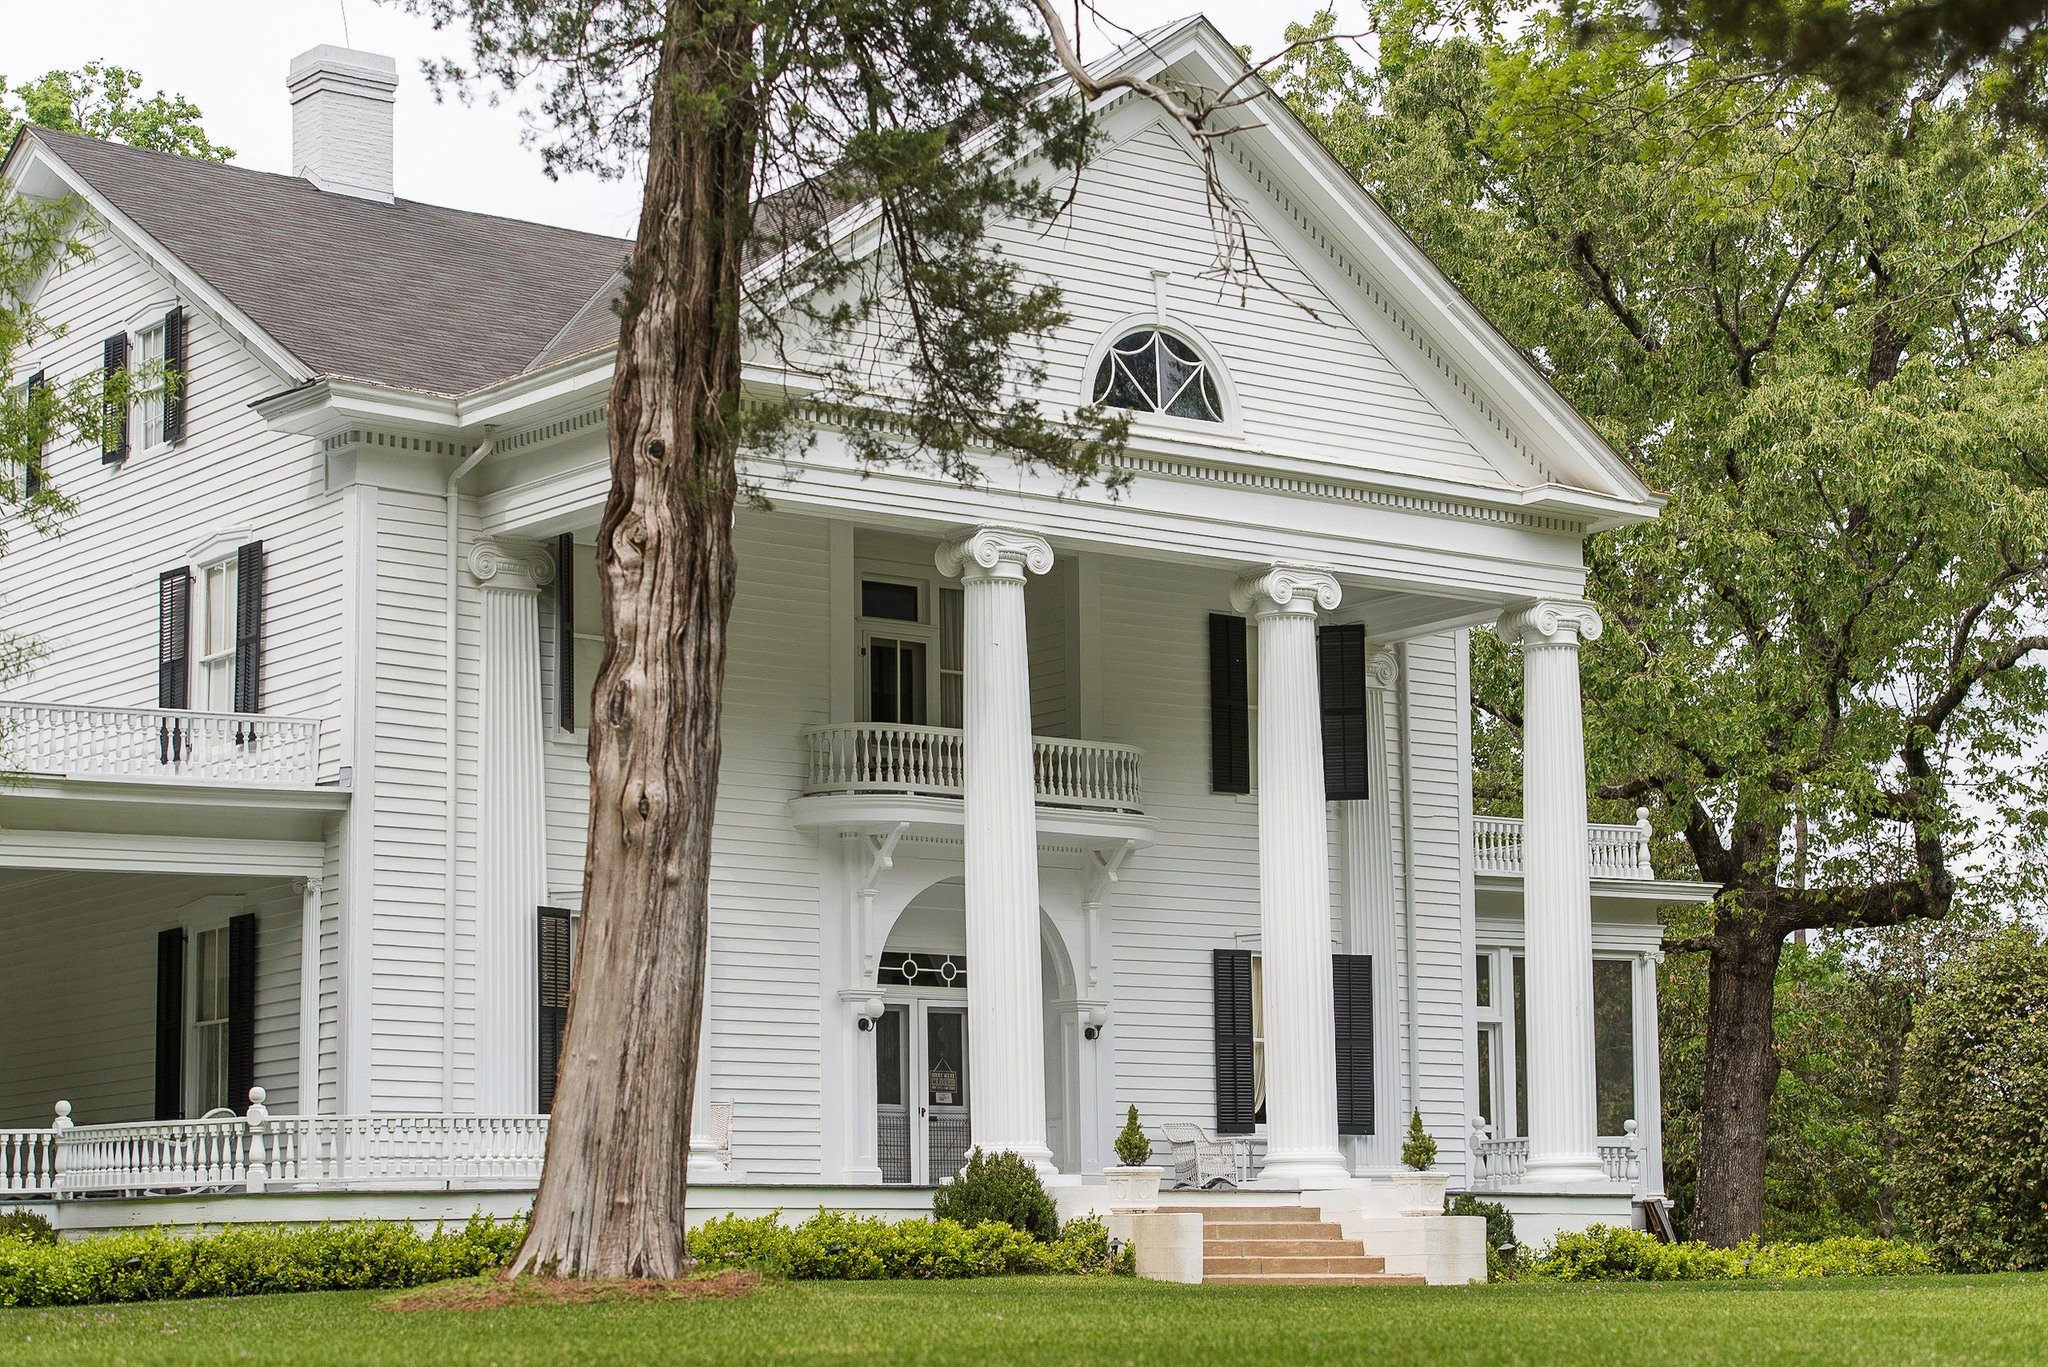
x: 1005, y: 1012
x: 1557, y: 899
x: 1294, y: 879
x: 511, y: 870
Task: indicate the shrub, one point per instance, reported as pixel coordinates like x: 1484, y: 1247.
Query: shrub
x: 155, y: 1265
x: 1972, y: 1163
x: 1002, y: 1188
x: 1133, y: 1149
x: 1418, y: 1151
x: 835, y: 1246
x: 1606, y: 1254
x: 25, y: 1227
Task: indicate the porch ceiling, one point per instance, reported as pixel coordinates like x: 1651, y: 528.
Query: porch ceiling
x: 121, y: 826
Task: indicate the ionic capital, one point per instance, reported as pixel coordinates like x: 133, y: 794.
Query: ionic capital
x: 1548, y: 622
x: 1286, y: 589
x: 513, y: 565
x: 994, y: 553
x: 1382, y: 666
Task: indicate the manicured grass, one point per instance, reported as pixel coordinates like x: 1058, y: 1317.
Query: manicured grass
x: 1955, y: 1320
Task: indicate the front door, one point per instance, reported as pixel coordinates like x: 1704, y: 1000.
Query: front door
x: 921, y: 1114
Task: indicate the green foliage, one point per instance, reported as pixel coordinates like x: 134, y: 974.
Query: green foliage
x: 1972, y: 1166
x: 103, y: 101
x: 834, y: 1246
x: 1605, y: 1254
x: 155, y: 1265
x: 1418, y: 1150
x: 1001, y: 1188
x: 25, y: 1227
x: 1820, y: 328
x: 1133, y: 1149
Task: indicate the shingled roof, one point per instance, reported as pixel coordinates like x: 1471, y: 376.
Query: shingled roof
x: 405, y: 294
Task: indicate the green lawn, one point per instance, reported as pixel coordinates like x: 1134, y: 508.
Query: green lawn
x: 1044, y: 1320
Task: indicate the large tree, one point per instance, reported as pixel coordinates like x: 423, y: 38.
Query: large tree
x: 1818, y: 326
x: 104, y: 101
x: 862, y: 150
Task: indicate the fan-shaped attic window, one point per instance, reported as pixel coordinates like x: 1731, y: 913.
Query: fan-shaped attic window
x: 1149, y: 371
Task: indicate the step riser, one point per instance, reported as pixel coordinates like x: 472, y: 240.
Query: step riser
x: 1247, y: 1230
x: 1279, y: 1248
x: 1353, y: 1263
x: 1309, y: 1279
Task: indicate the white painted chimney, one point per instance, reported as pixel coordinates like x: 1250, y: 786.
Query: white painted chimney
x: 341, y: 120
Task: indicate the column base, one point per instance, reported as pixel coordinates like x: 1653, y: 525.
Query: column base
x: 705, y: 1165
x: 1302, y: 1172
x: 1565, y: 1170
x: 1038, y: 1156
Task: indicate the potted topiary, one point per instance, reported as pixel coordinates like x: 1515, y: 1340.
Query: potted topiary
x: 1133, y: 1185
x: 1419, y: 1191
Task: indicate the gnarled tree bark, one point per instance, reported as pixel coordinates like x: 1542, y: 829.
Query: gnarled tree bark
x: 611, y: 1197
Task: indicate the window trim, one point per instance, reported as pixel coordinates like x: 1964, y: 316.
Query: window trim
x: 925, y: 630
x: 1228, y: 424
x: 207, y: 915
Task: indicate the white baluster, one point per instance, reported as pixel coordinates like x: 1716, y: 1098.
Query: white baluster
x: 259, y: 1118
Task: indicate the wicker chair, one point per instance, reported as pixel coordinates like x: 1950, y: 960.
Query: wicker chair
x: 1201, y: 1161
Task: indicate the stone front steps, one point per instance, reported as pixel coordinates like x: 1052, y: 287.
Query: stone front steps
x: 1283, y: 1245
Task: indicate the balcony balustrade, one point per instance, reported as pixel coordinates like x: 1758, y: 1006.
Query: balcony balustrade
x: 928, y: 761
x: 157, y: 744
x: 1621, y: 852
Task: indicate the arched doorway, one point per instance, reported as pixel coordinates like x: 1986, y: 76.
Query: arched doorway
x: 924, y: 1125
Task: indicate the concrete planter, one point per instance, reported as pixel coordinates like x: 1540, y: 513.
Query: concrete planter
x: 1133, y: 1188
x: 1420, y: 1193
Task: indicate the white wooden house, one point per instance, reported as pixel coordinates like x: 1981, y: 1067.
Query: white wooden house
x: 1035, y: 804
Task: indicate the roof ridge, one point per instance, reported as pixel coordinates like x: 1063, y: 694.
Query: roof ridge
x: 129, y: 149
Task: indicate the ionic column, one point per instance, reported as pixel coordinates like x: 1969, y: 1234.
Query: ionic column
x: 511, y: 869
x: 1294, y: 879
x: 1557, y: 899
x: 309, y: 996
x: 1005, y: 1014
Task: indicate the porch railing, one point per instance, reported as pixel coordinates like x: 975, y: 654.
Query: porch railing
x: 885, y: 757
x: 1500, y: 1164
x: 73, y: 740
x: 257, y: 1151
x: 1611, y: 851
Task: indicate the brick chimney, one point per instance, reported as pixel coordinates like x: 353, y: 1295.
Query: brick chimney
x: 341, y: 120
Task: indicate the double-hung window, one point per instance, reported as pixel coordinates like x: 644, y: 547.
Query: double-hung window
x: 146, y: 414
x: 206, y: 1058
x: 214, y: 662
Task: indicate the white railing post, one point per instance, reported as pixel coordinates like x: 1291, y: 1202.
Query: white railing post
x: 58, y: 1125
x: 1643, y: 833
x: 259, y: 1119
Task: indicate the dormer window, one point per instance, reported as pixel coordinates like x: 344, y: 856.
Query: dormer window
x: 1151, y: 371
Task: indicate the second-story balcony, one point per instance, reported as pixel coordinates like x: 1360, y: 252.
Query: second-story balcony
x: 157, y: 745
x: 928, y: 761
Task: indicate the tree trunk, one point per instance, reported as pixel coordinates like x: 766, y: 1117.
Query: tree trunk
x: 1735, y: 1092
x: 611, y: 1194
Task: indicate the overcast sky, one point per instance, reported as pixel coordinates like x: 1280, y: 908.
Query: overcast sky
x: 230, y: 56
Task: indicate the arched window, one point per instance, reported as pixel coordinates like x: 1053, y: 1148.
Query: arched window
x: 1149, y: 371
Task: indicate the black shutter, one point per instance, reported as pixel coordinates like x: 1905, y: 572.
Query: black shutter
x: 249, y: 628
x: 556, y: 950
x: 114, y: 399
x: 1340, y: 661
x: 170, y: 1024
x: 1230, y: 748
x: 1235, y: 1094
x: 565, y: 632
x: 173, y: 638
x: 1352, y: 977
x: 241, y: 1008
x: 32, y: 471
x: 174, y: 369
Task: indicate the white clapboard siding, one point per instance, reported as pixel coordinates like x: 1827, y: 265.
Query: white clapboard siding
x: 408, y: 834
x: 1440, y: 747
x: 90, y: 594
x: 1195, y: 889
x: 1045, y: 629
x: 78, y: 1021
x: 765, y: 880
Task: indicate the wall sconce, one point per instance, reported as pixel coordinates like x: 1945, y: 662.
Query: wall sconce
x: 865, y: 1013
x: 1097, y: 1017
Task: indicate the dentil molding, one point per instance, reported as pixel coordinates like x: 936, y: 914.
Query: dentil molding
x: 510, y: 565
x: 1563, y: 622
x: 1286, y: 588
x: 995, y: 552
